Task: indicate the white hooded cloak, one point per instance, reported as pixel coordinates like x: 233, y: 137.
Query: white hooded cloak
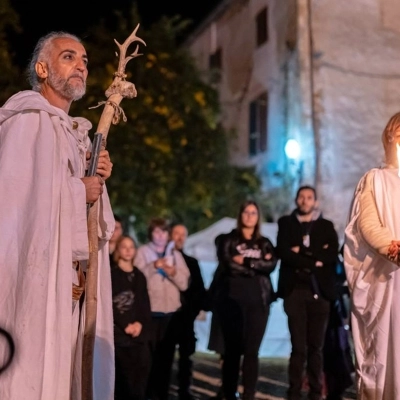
x: 43, y: 229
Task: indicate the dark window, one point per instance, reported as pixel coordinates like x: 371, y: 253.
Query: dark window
x: 215, y: 59
x: 262, y: 26
x: 258, y: 125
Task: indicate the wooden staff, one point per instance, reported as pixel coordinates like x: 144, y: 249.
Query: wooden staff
x: 119, y: 89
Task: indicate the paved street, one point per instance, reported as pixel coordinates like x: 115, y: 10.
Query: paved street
x: 272, y: 381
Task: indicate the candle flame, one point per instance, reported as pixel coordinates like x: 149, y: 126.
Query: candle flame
x: 398, y: 158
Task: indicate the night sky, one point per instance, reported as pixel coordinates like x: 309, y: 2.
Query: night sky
x: 76, y: 16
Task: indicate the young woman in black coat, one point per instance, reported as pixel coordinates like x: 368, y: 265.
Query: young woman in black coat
x: 132, y: 323
x: 243, y: 302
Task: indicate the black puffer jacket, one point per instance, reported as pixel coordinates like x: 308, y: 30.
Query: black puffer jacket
x: 255, y: 265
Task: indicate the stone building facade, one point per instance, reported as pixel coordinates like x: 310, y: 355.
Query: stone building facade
x: 324, y: 73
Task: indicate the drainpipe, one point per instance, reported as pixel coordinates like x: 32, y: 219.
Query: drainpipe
x: 314, y: 117
x: 306, y: 61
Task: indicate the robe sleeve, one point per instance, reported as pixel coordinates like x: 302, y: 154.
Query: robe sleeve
x: 106, y: 217
x: 80, y: 242
x: 33, y: 167
x: 373, y: 231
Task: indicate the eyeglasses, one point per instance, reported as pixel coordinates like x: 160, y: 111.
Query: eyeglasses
x: 251, y: 213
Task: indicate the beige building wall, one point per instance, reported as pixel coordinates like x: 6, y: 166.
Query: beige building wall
x: 248, y: 71
x: 356, y: 71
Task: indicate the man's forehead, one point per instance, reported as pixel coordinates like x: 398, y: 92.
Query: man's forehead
x: 65, y: 44
x: 180, y: 229
x: 307, y: 193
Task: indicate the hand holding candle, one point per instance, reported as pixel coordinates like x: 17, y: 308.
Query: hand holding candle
x: 394, y: 251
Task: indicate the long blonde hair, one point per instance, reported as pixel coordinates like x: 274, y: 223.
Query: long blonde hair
x: 116, y: 252
x: 388, y: 139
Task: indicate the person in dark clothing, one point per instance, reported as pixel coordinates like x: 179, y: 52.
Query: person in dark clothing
x: 216, y: 340
x: 182, y: 322
x: 244, y: 298
x: 307, y: 245
x: 132, y: 321
x: 338, y: 359
x: 218, y: 277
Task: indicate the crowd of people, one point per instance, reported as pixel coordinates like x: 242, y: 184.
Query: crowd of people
x: 239, y: 297
x: 149, y: 295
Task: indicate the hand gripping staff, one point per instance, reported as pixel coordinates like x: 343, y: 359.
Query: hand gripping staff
x: 119, y: 89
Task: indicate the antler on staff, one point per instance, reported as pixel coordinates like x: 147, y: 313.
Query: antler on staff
x: 123, y: 60
x: 119, y: 88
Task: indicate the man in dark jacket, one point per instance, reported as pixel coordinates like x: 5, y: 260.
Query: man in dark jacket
x: 307, y: 245
x: 182, y: 323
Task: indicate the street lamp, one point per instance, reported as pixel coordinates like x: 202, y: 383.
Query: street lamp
x: 293, y: 151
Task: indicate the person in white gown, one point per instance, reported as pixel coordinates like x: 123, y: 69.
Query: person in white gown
x: 371, y: 260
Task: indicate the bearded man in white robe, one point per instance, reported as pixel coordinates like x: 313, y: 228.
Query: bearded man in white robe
x: 43, y: 232
x: 371, y: 258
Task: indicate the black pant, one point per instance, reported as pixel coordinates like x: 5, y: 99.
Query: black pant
x: 163, y: 349
x: 307, y: 320
x: 132, y: 366
x: 338, y: 359
x: 243, y: 326
x: 182, y: 329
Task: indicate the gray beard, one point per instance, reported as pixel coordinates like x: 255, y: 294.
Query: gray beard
x: 63, y: 87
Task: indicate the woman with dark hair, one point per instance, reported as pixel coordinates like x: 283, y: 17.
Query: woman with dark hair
x: 243, y: 301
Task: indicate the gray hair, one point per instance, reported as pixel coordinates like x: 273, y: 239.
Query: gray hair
x: 42, y: 53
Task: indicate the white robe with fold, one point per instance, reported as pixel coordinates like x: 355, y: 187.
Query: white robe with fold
x: 374, y: 283
x: 43, y: 229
